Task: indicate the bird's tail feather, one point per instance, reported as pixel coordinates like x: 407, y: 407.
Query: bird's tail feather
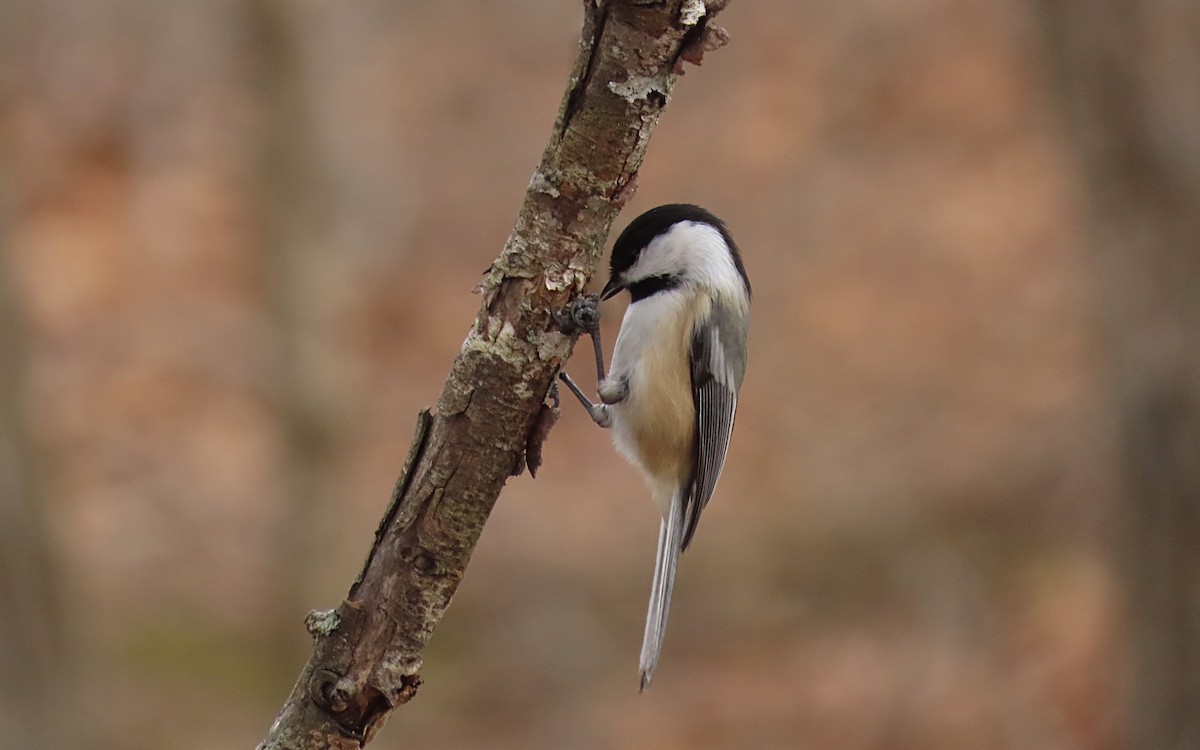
x: 670, y: 540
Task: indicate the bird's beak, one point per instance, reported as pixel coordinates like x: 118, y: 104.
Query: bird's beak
x: 613, y: 286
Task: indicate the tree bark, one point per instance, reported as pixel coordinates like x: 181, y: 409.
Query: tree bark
x: 1131, y: 78
x: 492, y: 412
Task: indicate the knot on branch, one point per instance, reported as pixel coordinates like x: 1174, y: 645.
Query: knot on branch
x: 357, y: 707
x: 331, y: 692
x: 421, y: 560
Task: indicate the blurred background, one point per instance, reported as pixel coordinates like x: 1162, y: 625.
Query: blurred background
x: 237, y: 243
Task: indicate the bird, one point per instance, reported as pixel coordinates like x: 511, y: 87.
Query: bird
x: 671, y: 394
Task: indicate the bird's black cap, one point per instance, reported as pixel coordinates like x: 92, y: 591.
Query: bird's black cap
x: 642, y: 230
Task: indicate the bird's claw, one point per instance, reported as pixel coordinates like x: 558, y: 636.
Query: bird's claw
x: 582, y: 315
x: 613, y: 390
x: 600, y: 415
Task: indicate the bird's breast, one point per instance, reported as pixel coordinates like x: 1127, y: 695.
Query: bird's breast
x: 654, y: 425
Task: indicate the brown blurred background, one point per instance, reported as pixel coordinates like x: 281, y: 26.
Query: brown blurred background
x: 237, y: 243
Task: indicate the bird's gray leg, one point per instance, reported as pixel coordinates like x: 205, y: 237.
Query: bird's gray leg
x: 594, y: 332
x: 598, y: 412
x: 583, y: 314
x: 612, y: 391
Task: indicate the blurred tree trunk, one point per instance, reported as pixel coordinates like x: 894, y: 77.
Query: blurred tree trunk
x: 34, y: 684
x: 32, y: 689
x: 1131, y: 80
x: 297, y: 230
x: 492, y: 414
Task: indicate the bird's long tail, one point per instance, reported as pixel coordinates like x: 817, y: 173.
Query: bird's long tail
x: 670, y: 540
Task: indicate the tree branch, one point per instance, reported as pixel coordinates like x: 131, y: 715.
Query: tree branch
x: 367, y: 653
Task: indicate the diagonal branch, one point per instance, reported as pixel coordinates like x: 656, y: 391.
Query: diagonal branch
x: 367, y: 652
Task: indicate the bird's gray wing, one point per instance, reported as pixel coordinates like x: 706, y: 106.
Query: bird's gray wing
x: 718, y: 361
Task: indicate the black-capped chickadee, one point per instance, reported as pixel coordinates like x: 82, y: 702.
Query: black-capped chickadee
x: 677, y: 367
